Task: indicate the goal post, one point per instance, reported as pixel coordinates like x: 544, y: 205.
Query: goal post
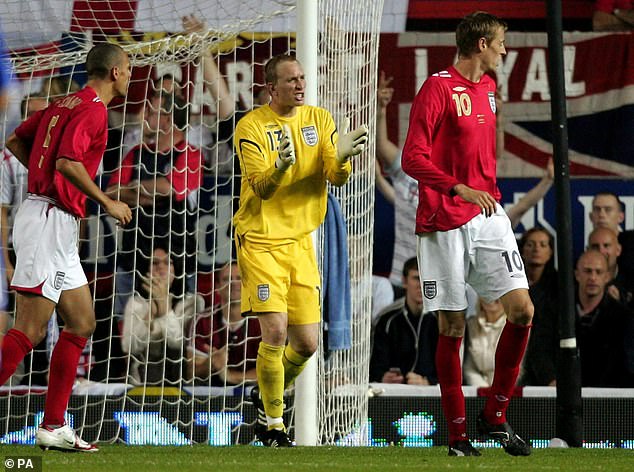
x: 348, y: 83
x: 139, y: 381
x: 306, y: 385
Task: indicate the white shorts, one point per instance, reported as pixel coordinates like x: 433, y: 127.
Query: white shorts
x: 483, y: 253
x: 45, y: 242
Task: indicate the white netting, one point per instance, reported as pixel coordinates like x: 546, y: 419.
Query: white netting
x: 349, y: 55
x: 219, y: 77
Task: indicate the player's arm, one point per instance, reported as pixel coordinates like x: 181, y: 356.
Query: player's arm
x: 427, y: 111
x: 20, y: 148
x: 263, y: 178
x: 77, y: 174
x: 126, y: 193
x: 21, y: 140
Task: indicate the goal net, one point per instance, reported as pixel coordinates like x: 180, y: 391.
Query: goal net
x: 180, y: 372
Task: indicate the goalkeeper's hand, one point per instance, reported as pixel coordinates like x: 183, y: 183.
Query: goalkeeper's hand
x: 286, y: 150
x: 352, y: 143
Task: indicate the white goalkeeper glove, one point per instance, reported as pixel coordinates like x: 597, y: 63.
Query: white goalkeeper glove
x: 286, y: 150
x: 352, y: 143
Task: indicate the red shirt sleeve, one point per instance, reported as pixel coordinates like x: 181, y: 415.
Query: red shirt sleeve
x: 427, y: 112
x: 186, y: 175
x: 28, y: 128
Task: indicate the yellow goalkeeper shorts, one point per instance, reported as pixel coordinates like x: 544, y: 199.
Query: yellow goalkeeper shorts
x: 280, y: 280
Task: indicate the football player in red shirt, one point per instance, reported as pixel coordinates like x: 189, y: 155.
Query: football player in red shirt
x: 464, y: 235
x: 62, y: 146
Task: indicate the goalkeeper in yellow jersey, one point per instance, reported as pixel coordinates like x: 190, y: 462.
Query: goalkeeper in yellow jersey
x: 287, y: 152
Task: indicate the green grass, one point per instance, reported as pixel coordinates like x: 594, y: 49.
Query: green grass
x: 326, y: 459
x: 257, y: 459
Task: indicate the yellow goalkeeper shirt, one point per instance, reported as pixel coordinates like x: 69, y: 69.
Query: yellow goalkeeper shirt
x: 278, y: 208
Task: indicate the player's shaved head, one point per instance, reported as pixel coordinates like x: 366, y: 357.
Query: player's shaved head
x: 102, y: 58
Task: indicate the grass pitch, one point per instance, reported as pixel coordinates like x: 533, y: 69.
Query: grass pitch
x: 113, y: 458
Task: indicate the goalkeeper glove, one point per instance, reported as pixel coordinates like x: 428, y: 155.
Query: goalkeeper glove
x: 352, y: 143
x: 286, y: 150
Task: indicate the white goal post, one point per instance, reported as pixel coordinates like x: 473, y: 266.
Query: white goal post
x: 138, y: 381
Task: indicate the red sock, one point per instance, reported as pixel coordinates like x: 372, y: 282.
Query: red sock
x: 508, y: 357
x: 450, y: 379
x: 15, y: 346
x: 62, y: 375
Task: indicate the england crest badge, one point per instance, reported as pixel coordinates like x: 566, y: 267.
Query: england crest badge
x: 429, y: 289
x: 492, y: 102
x: 310, y: 135
x: 263, y: 292
x: 58, y: 282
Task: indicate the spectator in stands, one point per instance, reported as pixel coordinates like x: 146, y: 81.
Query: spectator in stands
x: 613, y: 15
x: 606, y: 242
x: 405, y: 338
x: 168, y: 84
x: 602, y: 326
x: 226, y: 343
x: 481, y: 338
x: 215, y: 134
x: 59, y: 86
x: 607, y: 212
x: 405, y: 188
x: 159, y: 179
x: 155, y: 320
x: 620, y: 288
x: 382, y: 295
x: 539, y: 367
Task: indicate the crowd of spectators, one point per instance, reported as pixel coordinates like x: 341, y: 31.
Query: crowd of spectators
x: 171, y: 334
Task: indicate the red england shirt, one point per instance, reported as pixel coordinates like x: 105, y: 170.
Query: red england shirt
x: 74, y: 127
x: 450, y: 141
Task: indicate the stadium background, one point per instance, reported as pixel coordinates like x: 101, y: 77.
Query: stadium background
x: 601, y: 142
